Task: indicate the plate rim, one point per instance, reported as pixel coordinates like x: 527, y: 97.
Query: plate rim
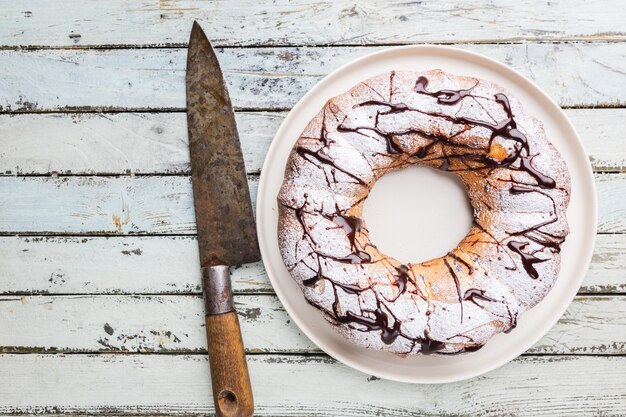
x: 420, y: 49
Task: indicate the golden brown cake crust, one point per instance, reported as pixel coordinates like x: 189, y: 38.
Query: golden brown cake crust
x: 516, y: 181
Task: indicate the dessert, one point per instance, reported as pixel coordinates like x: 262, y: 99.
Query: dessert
x: 516, y: 181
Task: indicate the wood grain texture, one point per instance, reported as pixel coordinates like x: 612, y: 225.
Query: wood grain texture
x: 304, y: 23
x: 172, y: 324
x: 598, y: 129
x: 273, y: 78
x: 230, y: 380
x: 169, y: 265
x: 100, y: 205
x: 164, y: 204
x: 156, y: 143
x: 175, y: 324
x: 179, y: 384
x: 146, y: 354
x: 116, y: 143
x: 145, y: 265
x: 611, y: 204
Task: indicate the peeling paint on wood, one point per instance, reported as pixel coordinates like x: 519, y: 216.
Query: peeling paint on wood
x: 180, y: 384
x: 124, y: 205
x: 130, y: 324
x: 164, y: 205
x: 142, y: 143
x: 170, y: 264
x: 586, y: 73
x: 304, y: 23
x: 598, y: 129
x: 611, y: 204
x: 160, y: 264
x: 175, y: 324
x: 259, y: 78
x: 156, y: 143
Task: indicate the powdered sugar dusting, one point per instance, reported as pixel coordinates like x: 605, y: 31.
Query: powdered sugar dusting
x: 517, y: 183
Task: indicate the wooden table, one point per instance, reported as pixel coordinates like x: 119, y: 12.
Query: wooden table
x: 100, y: 305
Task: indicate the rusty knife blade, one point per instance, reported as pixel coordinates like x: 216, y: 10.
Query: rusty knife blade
x: 225, y: 223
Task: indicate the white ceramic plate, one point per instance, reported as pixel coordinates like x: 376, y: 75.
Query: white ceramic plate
x: 576, y: 252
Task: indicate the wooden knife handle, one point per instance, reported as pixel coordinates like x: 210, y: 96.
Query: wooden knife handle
x: 232, y: 392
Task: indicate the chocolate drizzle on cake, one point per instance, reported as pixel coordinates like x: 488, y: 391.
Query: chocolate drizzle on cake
x: 429, y: 346
x: 528, y: 259
x: 380, y: 321
x: 457, y: 285
x: 474, y: 294
x: 322, y: 158
x: 402, y: 278
x: 350, y: 225
x: 506, y: 129
x: 371, y: 320
x: 505, y: 147
x: 443, y: 96
x: 392, y: 147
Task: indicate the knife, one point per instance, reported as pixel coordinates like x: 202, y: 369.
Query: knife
x: 225, y: 223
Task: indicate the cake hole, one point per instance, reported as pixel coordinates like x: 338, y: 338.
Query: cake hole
x: 417, y: 213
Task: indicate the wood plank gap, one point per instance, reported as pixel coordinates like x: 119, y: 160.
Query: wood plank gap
x: 166, y: 110
x: 599, y: 38
x: 54, y: 174
x: 113, y: 110
x: 130, y: 235
x: 117, y: 110
x: 320, y: 355
x: 252, y: 293
x: 97, y: 234
x: 253, y: 174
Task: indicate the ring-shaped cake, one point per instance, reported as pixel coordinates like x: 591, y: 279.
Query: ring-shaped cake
x: 516, y: 181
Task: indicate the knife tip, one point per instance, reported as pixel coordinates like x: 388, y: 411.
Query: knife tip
x: 197, y: 32
x: 195, y: 28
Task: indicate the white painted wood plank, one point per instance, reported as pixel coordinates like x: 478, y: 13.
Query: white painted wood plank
x: 312, y: 386
x: 169, y: 264
x: 600, y: 130
x: 154, y: 323
x: 164, y: 205
x: 607, y: 271
x: 116, y: 143
x: 99, y: 204
x: 591, y: 325
x: 574, y: 74
x: 296, y: 22
x: 156, y: 143
x: 145, y: 265
x: 611, y: 203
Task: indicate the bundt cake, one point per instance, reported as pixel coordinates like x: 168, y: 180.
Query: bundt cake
x: 516, y: 181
